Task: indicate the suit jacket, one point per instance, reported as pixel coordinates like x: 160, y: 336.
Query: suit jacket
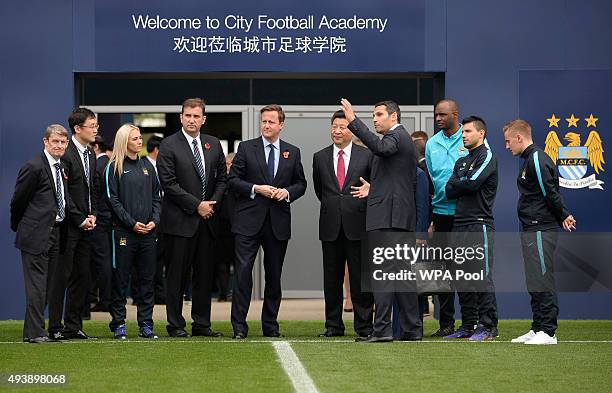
x: 33, y: 207
x: 182, y: 186
x: 249, y: 168
x: 391, y: 198
x: 78, y: 189
x: 339, y: 209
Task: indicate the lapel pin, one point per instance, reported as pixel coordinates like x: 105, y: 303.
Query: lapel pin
x: 285, y: 154
x: 207, y: 146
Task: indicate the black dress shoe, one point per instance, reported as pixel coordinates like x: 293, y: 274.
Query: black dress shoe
x: 42, y: 340
x: 443, y: 332
x: 178, y: 333
x: 375, y: 339
x: 78, y: 335
x: 59, y: 336
x: 239, y: 336
x: 331, y: 333
x: 205, y: 332
x: 410, y: 338
x: 272, y: 334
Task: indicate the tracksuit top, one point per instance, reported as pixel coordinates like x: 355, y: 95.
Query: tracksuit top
x: 135, y: 196
x: 540, y: 206
x: 441, y: 153
x: 474, y: 185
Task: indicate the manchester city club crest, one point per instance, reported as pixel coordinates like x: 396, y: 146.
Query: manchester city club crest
x: 575, y: 159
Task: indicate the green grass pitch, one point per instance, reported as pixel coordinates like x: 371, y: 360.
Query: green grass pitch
x: 581, y: 362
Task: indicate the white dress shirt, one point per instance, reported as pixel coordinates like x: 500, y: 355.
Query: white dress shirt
x: 52, y: 161
x: 346, y: 154
x: 190, y: 140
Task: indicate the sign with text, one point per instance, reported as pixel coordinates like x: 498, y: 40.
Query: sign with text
x: 317, y: 36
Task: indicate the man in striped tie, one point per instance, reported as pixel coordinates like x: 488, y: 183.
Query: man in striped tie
x: 38, y: 210
x: 192, y: 173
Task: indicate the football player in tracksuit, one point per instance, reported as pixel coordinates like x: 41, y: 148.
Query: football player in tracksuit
x: 474, y: 185
x: 541, y: 211
x: 134, y: 196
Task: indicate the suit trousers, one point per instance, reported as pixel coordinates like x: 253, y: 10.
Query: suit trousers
x: 411, y: 325
x: 274, y: 255
x: 101, y: 261
x: 70, y: 279
x: 37, y: 269
x: 133, y: 250
x: 443, y: 225
x: 335, y: 254
x: 538, y: 252
x: 184, y: 255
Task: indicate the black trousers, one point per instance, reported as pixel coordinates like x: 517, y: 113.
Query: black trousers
x: 139, y: 251
x: 274, y: 255
x: 101, y: 262
x: 225, y: 261
x: 443, y: 225
x: 37, y: 270
x: 411, y: 325
x: 538, y: 253
x: 70, y: 280
x: 184, y: 255
x: 335, y: 254
x: 478, y: 302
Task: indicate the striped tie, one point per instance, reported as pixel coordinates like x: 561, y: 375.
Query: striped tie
x: 59, y: 197
x: 198, y: 160
x: 86, y: 166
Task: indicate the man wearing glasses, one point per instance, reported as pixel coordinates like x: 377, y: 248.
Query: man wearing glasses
x: 72, y: 274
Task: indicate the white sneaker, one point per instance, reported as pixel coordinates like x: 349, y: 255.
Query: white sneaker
x: 525, y: 337
x: 542, y: 338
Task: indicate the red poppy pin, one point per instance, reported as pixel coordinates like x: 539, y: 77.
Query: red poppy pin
x: 207, y: 146
x: 285, y: 154
x: 64, y: 173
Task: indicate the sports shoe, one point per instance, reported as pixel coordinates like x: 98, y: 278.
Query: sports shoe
x: 542, y: 338
x: 146, y: 331
x: 482, y: 334
x: 120, y: 332
x: 460, y: 333
x: 445, y: 331
x: 525, y: 337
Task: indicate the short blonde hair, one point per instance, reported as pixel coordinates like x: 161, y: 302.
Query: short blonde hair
x: 518, y: 126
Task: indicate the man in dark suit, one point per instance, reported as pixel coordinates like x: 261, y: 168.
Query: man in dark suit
x: 391, y: 207
x: 38, y: 209
x: 191, y: 169
x: 267, y: 176
x: 342, y: 219
x: 101, y: 262
x: 72, y: 276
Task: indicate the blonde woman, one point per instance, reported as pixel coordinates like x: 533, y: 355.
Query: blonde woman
x: 134, y: 196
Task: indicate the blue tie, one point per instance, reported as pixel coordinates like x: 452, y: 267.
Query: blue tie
x: 198, y: 160
x: 271, y: 162
x: 59, y: 197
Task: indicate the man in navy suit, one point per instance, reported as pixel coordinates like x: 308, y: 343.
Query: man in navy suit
x: 267, y: 176
x: 38, y: 210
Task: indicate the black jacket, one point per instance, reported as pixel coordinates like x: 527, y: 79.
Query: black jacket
x: 540, y: 205
x: 134, y: 196
x: 392, y: 189
x: 474, y: 185
x: 339, y: 209
x: 182, y: 186
x: 80, y: 193
x: 33, y: 206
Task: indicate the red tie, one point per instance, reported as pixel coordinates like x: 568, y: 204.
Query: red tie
x: 340, y: 171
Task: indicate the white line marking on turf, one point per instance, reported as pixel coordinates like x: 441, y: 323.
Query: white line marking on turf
x: 257, y: 341
x: 296, y: 372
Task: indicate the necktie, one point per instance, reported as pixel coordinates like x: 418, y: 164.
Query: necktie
x: 59, y: 197
x: 271, y: 162
x: 86, y: 166
x: 340, y: 170
x: 200, y: 165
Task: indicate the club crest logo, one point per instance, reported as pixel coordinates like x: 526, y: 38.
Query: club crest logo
x: 574, y: 159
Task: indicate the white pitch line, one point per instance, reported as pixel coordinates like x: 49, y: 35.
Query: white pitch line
x: 245, y: 342
x: 302, y: 383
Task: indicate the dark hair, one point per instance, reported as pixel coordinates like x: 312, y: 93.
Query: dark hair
x: 274, y: 108
x: 193, y: 103
x: 153, y: 142
x: 79, y: 116
x: 420, y: 135
x: 338, y: 115
x: 101, y: 144
x: 391, y: 106
x: 479, y: 123
x: 452, y: 103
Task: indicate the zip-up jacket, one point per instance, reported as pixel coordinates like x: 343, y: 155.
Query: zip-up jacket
x: 474, y: 185
x: 135, y: 196
x: 540, y: 206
